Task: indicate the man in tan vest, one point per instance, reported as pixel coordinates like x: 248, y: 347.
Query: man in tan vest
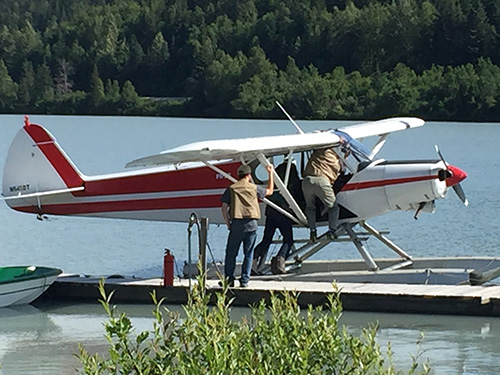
x: 321, y: 171
x: 240, y: 210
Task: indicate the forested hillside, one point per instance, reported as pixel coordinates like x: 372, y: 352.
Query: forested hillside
x: 335, y: 59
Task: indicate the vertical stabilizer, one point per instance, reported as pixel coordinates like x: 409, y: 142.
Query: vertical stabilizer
x: 36, y: 164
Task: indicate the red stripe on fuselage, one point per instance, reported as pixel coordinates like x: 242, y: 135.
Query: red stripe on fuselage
x: 200, y: 178
x: 54, y: 155
x: 382, y: 183
x: 194, y: 202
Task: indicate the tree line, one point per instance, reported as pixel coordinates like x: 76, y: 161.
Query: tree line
x: 323, y: 59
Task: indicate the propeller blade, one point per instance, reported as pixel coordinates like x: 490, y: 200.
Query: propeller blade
x: 456, y: 175
x: 440, y: 155
x: 460, y: 192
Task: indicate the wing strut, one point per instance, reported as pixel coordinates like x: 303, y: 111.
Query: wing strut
x: 217, y: 169
x: 288, y: 167
x: 299, y: 130
x: 378, y: 146
x: 302, y: 220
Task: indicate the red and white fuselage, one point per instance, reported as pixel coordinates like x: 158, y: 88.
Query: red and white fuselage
x: 40, y: 178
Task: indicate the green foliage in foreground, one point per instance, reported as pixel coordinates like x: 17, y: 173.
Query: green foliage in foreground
x: 278, y: 339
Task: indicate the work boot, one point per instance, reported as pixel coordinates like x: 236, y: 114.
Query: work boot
x: 230, y: 283
x: 243, y: 284
x: 274, y: 265
x: 280, y: 265
x: 255, y: 264
x: 334, y: 234
x: 341, y: 229
x: 313, y: 235
x: 331, y: 235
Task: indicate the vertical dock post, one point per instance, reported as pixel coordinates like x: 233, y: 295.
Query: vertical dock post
x: 192, y: 221
x: 203, y: 250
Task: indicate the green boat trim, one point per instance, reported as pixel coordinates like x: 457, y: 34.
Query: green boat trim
x: 24, y: 273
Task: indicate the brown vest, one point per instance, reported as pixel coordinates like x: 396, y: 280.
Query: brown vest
x: 244, y: 201
x: 325, y: 163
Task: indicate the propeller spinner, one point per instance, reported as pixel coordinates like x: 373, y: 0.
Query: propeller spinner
x: 454, y: 176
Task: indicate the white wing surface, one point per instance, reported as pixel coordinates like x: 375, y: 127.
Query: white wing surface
x: 382, y: 127
x: 236, y: 148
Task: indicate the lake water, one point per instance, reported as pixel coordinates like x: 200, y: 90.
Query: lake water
x: 42, y: 340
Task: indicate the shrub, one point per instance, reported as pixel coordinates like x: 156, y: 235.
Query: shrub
x: 277, y: 338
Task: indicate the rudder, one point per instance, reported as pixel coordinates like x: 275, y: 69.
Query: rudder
x: 36, y: 164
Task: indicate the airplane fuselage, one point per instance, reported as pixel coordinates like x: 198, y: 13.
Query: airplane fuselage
x: 39, y: 178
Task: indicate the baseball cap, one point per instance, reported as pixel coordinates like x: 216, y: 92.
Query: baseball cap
x: 244, y: 169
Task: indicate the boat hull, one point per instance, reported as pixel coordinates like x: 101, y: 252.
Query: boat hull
x: 22, y: 285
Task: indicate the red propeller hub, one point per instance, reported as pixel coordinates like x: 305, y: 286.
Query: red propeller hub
x: 457, y: 176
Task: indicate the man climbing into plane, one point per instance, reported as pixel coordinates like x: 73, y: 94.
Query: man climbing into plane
x: 321, y: 171
x: 240, y: 210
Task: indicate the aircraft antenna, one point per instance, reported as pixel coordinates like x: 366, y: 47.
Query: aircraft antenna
x: 299, y: 130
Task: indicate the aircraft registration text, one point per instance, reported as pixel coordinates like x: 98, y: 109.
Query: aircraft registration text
x: 18, y: 188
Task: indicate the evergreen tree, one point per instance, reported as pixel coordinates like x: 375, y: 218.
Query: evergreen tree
x: 432, y: 87
x: 489, y: 84
x: 129, y: 100
x: 8, y: 89
x: 481, y: 36
x: 112, y: 89
x: 158, y: 53
x: 44, y: 86
x: 26, y: 84
x: 259, y: 91
x: 136, y: 52
x: 97, y: 95
x: 398, y: 92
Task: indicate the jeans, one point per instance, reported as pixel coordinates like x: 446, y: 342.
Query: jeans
x: 275, y: 220
x: 234, y: 240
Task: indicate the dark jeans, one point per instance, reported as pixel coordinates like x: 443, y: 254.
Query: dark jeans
x: 234, y: 240
x: 275, y: 220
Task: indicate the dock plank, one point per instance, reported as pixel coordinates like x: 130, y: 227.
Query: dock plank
x: 401, y: 298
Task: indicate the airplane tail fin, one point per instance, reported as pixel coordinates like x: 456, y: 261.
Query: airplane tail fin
x: 37, y: 166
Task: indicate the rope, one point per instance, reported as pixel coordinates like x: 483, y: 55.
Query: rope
x: 214, y: 262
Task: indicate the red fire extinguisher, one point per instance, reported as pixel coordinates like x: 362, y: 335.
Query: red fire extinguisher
x: 168, y: 268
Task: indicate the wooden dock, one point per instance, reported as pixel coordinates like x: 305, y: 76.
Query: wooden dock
x: 373, y: 297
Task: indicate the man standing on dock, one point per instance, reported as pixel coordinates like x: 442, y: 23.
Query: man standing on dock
x: 240, y: 210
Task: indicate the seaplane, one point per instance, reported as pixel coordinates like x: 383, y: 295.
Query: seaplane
x: 41, y: 179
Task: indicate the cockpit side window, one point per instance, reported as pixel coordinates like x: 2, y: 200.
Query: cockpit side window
x: 354, y: 153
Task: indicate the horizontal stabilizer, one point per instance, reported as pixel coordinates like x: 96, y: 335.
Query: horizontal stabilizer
x: 44, y: 193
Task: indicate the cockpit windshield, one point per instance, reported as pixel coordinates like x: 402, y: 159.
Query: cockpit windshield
x: 354, y: 148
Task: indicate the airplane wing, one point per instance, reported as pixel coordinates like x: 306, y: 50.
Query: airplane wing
x: 382, y: 127
x: 236, y: 148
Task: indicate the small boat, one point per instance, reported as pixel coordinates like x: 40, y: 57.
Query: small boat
x: 23, y: 284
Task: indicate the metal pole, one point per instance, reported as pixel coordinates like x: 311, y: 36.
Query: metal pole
x: 189, y: 255
x: 203, y: 234
x: 192, y: 220
x: 361, y: 248
x: 385, y: 240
